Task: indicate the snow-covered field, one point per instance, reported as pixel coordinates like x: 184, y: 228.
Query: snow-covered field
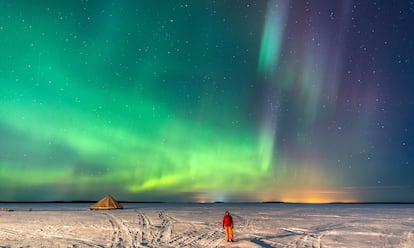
x: 199, y: 225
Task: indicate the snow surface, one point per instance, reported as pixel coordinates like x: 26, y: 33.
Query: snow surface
x: 199, y: 225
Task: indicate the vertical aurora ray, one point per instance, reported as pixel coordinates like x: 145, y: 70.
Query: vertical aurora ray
x: 272, y: 36
x: 270, y: 47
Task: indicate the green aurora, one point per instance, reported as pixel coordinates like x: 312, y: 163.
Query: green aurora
x: 185, y: 101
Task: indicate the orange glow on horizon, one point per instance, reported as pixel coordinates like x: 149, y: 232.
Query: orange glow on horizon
x: 311, y: 197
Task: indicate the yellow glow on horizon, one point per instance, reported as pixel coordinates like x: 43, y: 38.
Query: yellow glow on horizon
x: 311, y: 196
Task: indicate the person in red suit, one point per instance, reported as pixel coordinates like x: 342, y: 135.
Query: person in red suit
x: 228, y: 226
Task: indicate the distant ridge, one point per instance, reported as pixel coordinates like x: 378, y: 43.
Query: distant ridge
x: 370, y: 203
x: 77, y: 201
x: 47, y: 201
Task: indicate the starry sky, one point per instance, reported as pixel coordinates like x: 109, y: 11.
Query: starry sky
x: 231, y: 100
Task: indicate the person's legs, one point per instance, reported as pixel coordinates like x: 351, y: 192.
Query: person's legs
x: 228, y: 229
x: 231, y: 233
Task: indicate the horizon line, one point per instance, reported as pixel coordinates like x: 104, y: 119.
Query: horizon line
x: 218, y: 202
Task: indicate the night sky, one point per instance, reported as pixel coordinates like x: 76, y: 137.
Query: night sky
x: 230, y: 100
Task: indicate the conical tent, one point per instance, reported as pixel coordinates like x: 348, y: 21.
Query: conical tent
x: 106, y: 203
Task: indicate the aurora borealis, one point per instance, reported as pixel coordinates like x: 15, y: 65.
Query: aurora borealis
x: 299, y: 101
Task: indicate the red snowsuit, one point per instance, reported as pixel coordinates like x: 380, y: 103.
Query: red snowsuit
x: 228, y: 226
